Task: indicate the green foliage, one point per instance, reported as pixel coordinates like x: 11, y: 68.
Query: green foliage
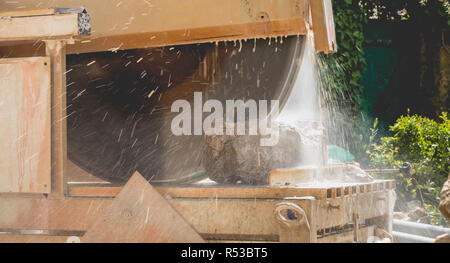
x: 438, y: 10
x: 347, y: 65
x: 424, y: 143
x: 421, y: 141
x: 341, y: 72
x: 367, y: 135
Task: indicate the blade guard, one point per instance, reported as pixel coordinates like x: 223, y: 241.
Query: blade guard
x: 322, y: 24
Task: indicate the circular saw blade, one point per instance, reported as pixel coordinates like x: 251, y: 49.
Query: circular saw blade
x: 119, y: 104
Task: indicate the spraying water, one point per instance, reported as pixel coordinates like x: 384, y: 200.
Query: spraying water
x: 303, y: 102
x: 302, y: 109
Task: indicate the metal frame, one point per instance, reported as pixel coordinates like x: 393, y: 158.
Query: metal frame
x: 342, y: 214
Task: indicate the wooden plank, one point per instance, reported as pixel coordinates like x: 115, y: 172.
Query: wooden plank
x: 56, y: 50
x: 140, y: 214
x: 171, y: 22
x: 233, y: 32
x: 357, y: 237
x: 22, y: 49
x: 7, y: 238
x: 97, y: 190
x: 288, y: 177
x: 80, y: 189
x: 232, y: 219
x: 331, y: 213
x: 29, y: 12
x: 25, y: 125
x: 345, y: 237
x: 39, y: 27
x: 226, y: 238
x: 323, y: 26
x: 348, y: 237
x: 49, y: 214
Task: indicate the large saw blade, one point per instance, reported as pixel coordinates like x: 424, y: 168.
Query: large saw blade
x: 119, y: 115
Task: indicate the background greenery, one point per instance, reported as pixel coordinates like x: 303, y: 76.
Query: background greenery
x: 423, y: 141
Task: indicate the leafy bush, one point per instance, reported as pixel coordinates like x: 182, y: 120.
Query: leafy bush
x: 341, y: 71
x: 340, y: 75
x: 424, y: 143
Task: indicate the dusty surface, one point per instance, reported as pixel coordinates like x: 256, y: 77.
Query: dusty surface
x: 345, y: 174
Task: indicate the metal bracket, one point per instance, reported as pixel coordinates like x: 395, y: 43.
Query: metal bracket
x: 293, y: 223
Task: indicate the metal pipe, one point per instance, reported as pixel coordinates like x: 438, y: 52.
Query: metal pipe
x: 382, y: 171
x: 406, y: 170
x: 419, y: 229
x: 409, y: 238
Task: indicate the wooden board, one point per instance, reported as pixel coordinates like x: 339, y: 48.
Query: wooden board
x: 289, y: 177
x: 25, y: 125
x: 102, y: 189
x: 56, y: 51
x: 323, y: 26
x: 41, y: 213
x: 29, y: 12
x: 39, y: 27
x: 140, y: 214
x: 6, y: 238
x: 345, y: 237
x: 236, y: 192
x: 118, y: 24
x: 348, y: 237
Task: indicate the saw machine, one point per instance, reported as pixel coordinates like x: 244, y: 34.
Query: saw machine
x: 88, y: 154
